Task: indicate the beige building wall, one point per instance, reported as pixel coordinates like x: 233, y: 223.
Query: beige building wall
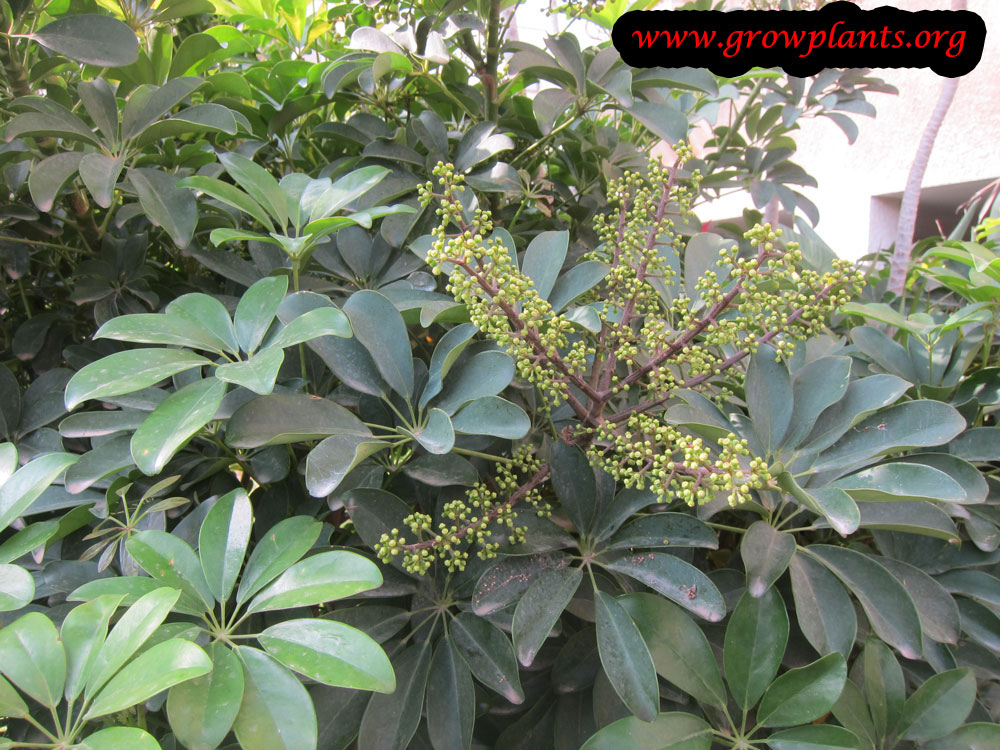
x: 860, y: 184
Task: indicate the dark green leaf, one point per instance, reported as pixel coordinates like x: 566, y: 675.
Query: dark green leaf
x: 626, y: 658
x: 484, y: 374
x: 664, y: 120
x: 539, y: 609
x: 32, y: 658
x: 938, y: 613
x: 437, y: 436
x: 813, y: 737
x: 816, y: 386
x: 492, y: 415
x: 755, y: 645
x: 179, y: 417
x: 126, y: 372
x: 668, y: 731
x: 663, y: 530
x: 544, y: 258
x: 100, y: 174
x: 803, y: 694
x: 380, y: 329
x: 489, y: 655
x: 82, y: 635
x: 222, y: 541
x: 166, y: 205
x: 276, y: 713
x: 884, y: 686
x: 276, y: 419
x: 863, y: 396
x: 317, y: 579
x: 766, y: 553
x: 823, y: 607
x: 574, y: 483
x: 202, y: 710
x: 451, y: 699
x: 769, y: 396
x: 92, y: 39
x: 170, y: 560
x: 675, y: 579
x: 680, y: 651
x: 939, y: 706
x: 391, y: 720
x: 975, y: 736
x: 283, y: 544
x: 50, y: 175
x: 902, y: 481
x: 329, y: 462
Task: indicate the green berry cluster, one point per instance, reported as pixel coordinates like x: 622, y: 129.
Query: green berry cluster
x: 502, y: 301
x: 644, y: 452
x: 468, y: 523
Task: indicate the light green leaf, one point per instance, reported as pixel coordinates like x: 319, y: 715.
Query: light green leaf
x: 32, y: 658
x: 277, y: 712
x: 170, y: 560
x: 664, y: 120
x: 283, y: 544
x: 669, y: 731
x: 154, y: 670
x: 803, y: 694
x: 30, y: 538
x: 330, y: 652
x: 170, y: 426
x: 202, y: 710
x: 17, y: 587
x: 544, y: 259
x: 975, y: 736
x: 11, y: 704
x: 581, y: 278
x: 126, y: 372
x: 492, y: 415
x: 256, y: 309
x: 259, y: 184
x: 338, y: 195
x: 257, y: 373
x: 680, y: 651
x: 317, y: 579
x: 82, y: 635
x: 437, y: 436
x: 156, y: 328
x: 625, y: 658
x: 210, y: 315
x: 323, y: 321
x: 28, y: 482
x: 222, y: 541
x: 230, y: 195
x: 120, y: 738
x: 130, y: 588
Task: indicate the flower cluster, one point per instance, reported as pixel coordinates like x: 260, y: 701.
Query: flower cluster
x: 644, y: 452
x: 474, y: 521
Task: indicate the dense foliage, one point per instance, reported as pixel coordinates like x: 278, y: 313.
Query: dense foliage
x: 366, y: 384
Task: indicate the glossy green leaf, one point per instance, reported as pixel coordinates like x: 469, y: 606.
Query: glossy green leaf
x: 155, y: 328
x: 939, y: 706
x: 939, y: 618
x: 257, y: 373
x: 317, y: 579
x: 668, y: 731
x: 132, y: 630
x: 484, y: 374
x: 908, y: 425
x: 170, y: 560
x: 977, y: 584
x: 284, y: 543
x: 581, y: 278
x: 544, y: 258
x: 680, y: 651
x: 256, y: 309
x: 391, y: 720
x: 662, y: 119
x: 165, y: 204
x: 769, y: 396
x: 11, y: 704
x: 911, y: 516
x: 154, y: 670
x: 179, y: 417
x: 222, y: 541
x: 230, y: 195
x: 58, y: 123
x: 814, y: 737
x: 259, y: 184
x: 539, y: 609
x: 801, y: 695
x: 625, y: 658
x: 489, y: 655
x: 437, y: 435
x: 202, y: 710
x: 329, y: 462
x: 30, y: 538
x: 49, y: 177
x: 890, y: 610
x: 276, y: 713
x: 863, y: 396
x: 823, y: 607
x: 815, y: 387
x: 210, y: 315
x: 323, y: 321
x: 276, y: 419
x: 82, y: 635
x: 131, y: 588
x: 17, y: 587
x: 379, y: 327
x: 902, y: 481
x: 29, y: 482
x: 451, y: 699
x: 663, y: 530
x: 677, y: 580
x: 319, y: 204
x: 766, y: 553
x: 148, y: 103
x: 756, y: 637
x: 884, y: 685
x: 446, y: 352
x: 574, y: 483
x: 92, y: 39
x: 120, y: 738
x: 974, y: 736
x: 330, y: 652
x: 32, y: 658
x: 8, y: 457
x: 100, y: 174
x: 478, y: 144
x: 126, y: 372
x: 492, y: 415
